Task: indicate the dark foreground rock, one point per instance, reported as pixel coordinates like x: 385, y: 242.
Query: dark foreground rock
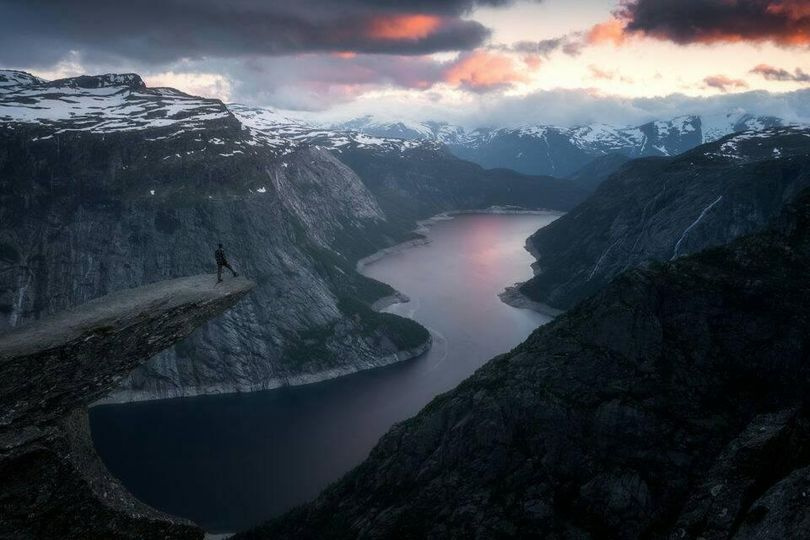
x: 670, y: 405
x: 52, y: 483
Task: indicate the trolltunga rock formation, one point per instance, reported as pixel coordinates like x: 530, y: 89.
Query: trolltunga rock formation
x: 52, y: 483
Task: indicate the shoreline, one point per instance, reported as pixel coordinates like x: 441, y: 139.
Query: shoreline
x: 512, y: 296
x: 423, y: 227
x: 121, y: 398
x: 402, y: 355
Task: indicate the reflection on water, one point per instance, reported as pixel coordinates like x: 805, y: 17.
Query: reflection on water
x: 228, y: 462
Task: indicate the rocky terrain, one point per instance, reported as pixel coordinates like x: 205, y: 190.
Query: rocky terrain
x: 672, y: 404
x: 107, y: 184
x: 657, y: 209
x: 562, y: 151
x: 52, y: 483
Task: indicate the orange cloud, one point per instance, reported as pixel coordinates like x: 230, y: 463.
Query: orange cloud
x: 404, y: 26
x: 483, y: 70
x: 346, y: 55
x: 612, y: 31
x: 723, y: 83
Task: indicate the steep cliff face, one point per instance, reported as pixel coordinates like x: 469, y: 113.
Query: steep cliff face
x: 106, y: 183
x: 52, y: 483
x: 659, y: 209
x: 101, y: 203
x: 671, y: 404
x: 88, y: 215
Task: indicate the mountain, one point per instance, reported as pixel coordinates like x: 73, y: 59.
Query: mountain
x: 562, y: 151
x: 672, y: 404
x: 10, y: 78
x: 657, y: 209
x: 106, y: 183
x: 597, y: 171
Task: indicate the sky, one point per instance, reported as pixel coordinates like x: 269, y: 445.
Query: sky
x: 473, y: 62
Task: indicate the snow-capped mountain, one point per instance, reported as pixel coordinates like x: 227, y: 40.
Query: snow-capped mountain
x: 715, y: 127
x: 104, y: 104
x: 122, y: 102
x: 561, y: 151
x: 10, y: 77
x: 276, y: 128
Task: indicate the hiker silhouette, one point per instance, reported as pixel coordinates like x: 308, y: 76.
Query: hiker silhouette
x: 219, y: 255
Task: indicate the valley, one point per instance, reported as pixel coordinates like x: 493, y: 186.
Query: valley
x: 366, y: 380
x: 229, y: 462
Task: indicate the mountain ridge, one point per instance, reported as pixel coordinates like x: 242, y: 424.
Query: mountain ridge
x: 659, y: 208
x: 669, y: 404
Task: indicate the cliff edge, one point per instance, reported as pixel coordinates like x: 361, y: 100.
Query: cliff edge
x: 53, y: 483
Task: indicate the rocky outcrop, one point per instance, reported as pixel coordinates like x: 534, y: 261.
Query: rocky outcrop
x: 52, y: 483
x: 658, y: 209
x: 671, y: 404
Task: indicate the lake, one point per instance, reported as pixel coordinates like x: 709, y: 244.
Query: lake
x: 230, y: 461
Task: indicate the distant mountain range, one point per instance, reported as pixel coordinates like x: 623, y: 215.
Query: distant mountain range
x: 561, y: 151
x: 99, y: 106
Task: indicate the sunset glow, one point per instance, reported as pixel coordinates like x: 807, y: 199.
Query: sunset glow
x: 404, y: 27
x: 485, y: 70
x: 456, y: 55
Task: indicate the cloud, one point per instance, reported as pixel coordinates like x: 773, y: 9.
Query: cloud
x: 483, y: 71
x: 569, y: 107
x: 403, y: 27
x: 772, y: 73
x: 316, y: 82
x: 38, y: 32
x: 319, y: 81
x: 197, y: 84
x: 599, y: 73
x: 612, y: 31
x: 723, y: 83
x: 569, y: 44
x: 783, y: 22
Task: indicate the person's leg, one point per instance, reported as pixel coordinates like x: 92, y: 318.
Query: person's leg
x: 219, y: 273
x: 228, y: 266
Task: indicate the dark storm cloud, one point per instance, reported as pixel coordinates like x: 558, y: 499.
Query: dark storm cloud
x: 772, y: 73
x: 39, y: 32
x: 785, y: 22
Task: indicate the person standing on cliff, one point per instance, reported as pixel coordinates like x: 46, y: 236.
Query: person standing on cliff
x: 219, y: 255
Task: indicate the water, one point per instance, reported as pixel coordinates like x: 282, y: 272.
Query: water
x: 229, y: 462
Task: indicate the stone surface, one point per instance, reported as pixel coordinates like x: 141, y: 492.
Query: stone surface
x: 52, y: 483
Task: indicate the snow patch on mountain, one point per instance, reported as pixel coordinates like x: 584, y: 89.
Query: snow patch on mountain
x: 105, y: 104
x: 10, y: 77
